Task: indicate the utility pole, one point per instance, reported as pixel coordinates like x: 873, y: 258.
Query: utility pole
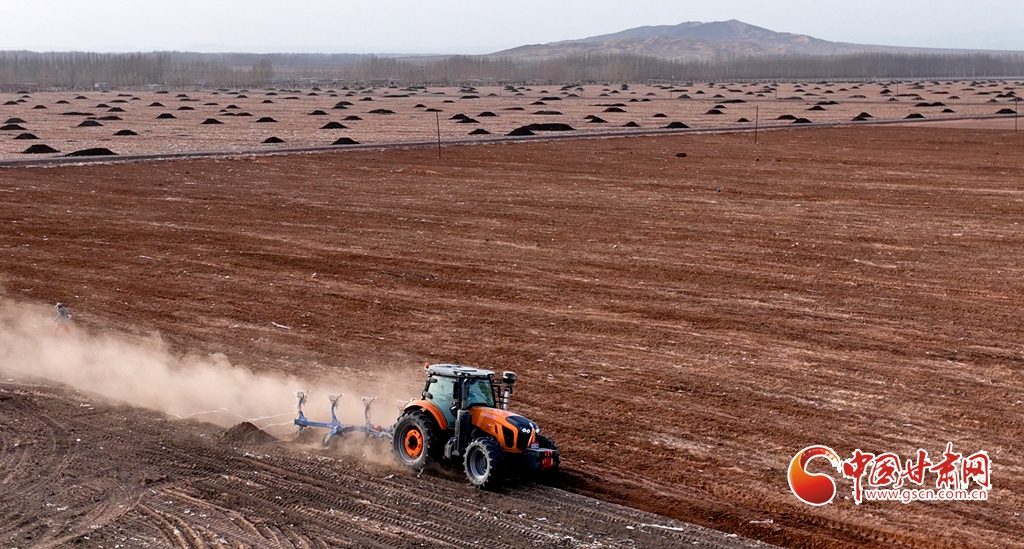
x: 437, y: 119
x: 757, y: 120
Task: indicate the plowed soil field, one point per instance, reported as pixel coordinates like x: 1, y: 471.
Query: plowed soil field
x: 682, y: 325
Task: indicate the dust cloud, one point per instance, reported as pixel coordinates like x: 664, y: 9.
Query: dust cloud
x: 141, y: 371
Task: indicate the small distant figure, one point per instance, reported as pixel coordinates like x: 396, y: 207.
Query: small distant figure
x: 63, y: 319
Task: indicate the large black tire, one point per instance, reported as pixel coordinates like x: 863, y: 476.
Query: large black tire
x: 484, y: 463
x: 416, y: 440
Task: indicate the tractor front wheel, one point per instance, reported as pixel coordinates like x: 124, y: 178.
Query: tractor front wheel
x: 415, y: 442
x: 484, y: 463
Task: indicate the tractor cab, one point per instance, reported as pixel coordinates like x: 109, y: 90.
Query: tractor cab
x: 452, y: 388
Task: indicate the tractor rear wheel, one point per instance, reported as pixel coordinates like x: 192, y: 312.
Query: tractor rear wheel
x: 484, y: 463
x: 415, y: 443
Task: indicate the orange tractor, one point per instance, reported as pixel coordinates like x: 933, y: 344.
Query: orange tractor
x: 463, y: 414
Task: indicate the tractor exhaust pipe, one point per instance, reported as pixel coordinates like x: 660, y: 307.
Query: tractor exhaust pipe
x: 508, y: 379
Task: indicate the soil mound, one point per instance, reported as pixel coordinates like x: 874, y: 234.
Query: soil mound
x: 39, y: 107
x: 40, y: 148
x: 816, y: 108
x: 318, y: 112
x: 915, y: 115
x: 352, y: 117
x: 549, y: 113
x: 801, y: 121
x: 96, y: 151
x: 479, y: 131
x: 381, y: 111
x: 14, y: 120
x: 185, y: 108
x: 345, y: 141
x: 614, y: 109
x: 89, y: 124
x: 742, y: 121
x: 521, y: 131
x: 1006, y: 111
x: 486, y: 114
x: 266, y: 119
x: 786, y: 117
x: 125, y: 133
x: 247, y: 433
x: 597, y: 120
x: 211, y: 121
x: 459, y: 116
x: 25, y: 136
x: 115, y: 109
x: 11, y: 128
x: 165, y: 115
x: 273, y: 140
x: 334, y: 126
x: 550, y: 127
x: 659, y: 115
x: 467, y: 120
x: 156, y: 104
x: 714, y: 111
x: 631, y: 125
x: 109, y: 117
x: 676, y: 126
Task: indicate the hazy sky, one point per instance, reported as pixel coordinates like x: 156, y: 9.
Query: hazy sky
x: 478, y: 26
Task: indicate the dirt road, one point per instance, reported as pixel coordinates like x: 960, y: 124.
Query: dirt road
x: 681, y: 325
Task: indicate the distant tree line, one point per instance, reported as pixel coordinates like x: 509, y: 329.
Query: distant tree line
x: 79, y: 70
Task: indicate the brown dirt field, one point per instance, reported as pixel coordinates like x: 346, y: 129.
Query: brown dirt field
x: 297, y: 128
x: 681, y: 326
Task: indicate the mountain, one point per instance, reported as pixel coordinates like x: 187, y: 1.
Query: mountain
x: 695, y: 40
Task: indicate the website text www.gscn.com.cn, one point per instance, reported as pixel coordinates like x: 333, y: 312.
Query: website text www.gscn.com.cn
x: 911, y: 495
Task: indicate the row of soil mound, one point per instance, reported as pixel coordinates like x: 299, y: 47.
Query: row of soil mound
x: 42, y: 148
